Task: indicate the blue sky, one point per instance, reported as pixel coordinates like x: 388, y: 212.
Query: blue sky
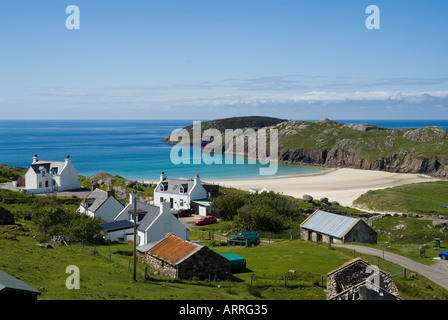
x: 205, y: 59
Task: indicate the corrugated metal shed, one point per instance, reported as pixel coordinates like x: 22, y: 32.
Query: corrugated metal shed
x: 329, y: 223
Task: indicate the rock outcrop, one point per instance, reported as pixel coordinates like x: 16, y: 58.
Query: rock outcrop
x: 360, y: 146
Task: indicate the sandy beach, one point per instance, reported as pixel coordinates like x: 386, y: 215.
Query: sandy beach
x: 342, y: 185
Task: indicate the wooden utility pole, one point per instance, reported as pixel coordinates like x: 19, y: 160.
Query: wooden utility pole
x: 134, y: 199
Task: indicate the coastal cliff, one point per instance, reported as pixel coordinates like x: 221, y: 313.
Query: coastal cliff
x: 360, y: 146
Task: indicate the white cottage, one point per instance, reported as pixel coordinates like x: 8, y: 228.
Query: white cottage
x: 153, y: 222
x: 178, y: 192
x: 48, y: 176
x: 99, y: 203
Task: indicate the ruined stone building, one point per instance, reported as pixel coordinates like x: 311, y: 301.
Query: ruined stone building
x: 359, y: 280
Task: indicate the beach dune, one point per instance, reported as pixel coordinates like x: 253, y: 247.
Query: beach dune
x: 342, y: 185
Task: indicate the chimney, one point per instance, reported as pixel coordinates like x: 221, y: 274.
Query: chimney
x: 67, y: 160
x: 133, y: 197
x: 163, y: 176
x: 110, y: 191
x: 35, y: 158
x: 196, y: 179
x: 165, y: 207
x: 95, y: 185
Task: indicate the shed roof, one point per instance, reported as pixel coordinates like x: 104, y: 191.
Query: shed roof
x: 173, y: 249
x: 329, y: 223
x: 117, y: 225
x: 232, y: 257
x: 8, y: 282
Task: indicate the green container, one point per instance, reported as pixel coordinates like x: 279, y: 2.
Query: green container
x: 236, y: 262
x: 437, y: 242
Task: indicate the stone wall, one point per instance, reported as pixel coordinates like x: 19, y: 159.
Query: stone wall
x: 361, y: 232
x: 202, y: 264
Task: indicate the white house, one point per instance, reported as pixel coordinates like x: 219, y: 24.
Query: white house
x: 99, y: 203
x: 178, y: 192
x: 48, y: 176
x: 153, y: 222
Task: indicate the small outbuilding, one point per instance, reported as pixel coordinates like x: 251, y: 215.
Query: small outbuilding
x: 177, y: 258
x: 237, y: 263
x: 322, y: 226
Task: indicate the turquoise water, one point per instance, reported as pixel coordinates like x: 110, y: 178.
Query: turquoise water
x: 131, y: 149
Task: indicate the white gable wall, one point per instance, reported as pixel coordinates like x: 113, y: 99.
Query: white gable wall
x: 165, y: 223
x: 68, y: 178
x: 198, y: 191
x: 107, y: 211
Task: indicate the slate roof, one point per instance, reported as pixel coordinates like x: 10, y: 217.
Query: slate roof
x: 173, y: 249
x: 151, y: 213
x: 57, y: 166
x: 8, y: 282
x: 96, y: 198
x: 329, y: 223
x: 173, y: 186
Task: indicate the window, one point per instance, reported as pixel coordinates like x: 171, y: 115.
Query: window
x: 164, y: 186
x: 181, y: 202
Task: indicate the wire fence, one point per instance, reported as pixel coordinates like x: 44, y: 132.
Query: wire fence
x: 292, y: 279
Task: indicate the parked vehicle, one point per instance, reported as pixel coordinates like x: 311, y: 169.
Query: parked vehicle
x: 184, y: 212
x: 206, y: 220
x: 245, y: 238
x: 443, y: 255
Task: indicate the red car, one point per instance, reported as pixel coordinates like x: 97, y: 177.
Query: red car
x: 206, y: 220
x: 184, y: 212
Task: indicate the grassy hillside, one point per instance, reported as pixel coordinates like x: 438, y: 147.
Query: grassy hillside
x: 239, y: 123
x: 8, y: 173
x: 427, y: 199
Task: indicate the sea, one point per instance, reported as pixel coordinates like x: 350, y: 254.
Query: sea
x: 134, y: 149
